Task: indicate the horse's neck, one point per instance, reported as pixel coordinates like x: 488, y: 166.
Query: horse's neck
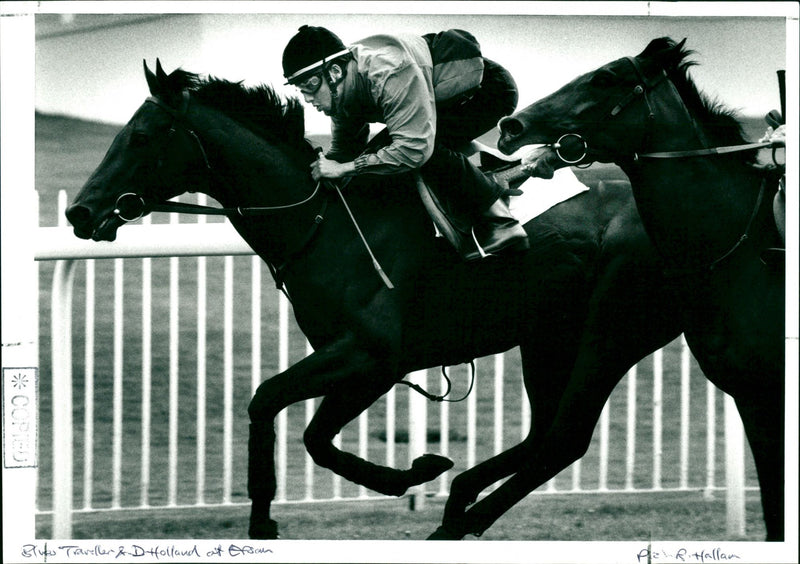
x: 246, y: 171
x: 694, y: 209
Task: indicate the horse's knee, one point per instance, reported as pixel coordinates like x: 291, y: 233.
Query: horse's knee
x: 265, y: 404
x: 462, y: 488
x: 577, y: 450
x: 571, y: 450
x: 319, y: 446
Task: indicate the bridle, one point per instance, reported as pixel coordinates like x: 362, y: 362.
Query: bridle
x: 131, y: 206
x: 641, y: 89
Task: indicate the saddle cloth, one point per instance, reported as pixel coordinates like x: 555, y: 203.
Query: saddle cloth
x: 539, y: 194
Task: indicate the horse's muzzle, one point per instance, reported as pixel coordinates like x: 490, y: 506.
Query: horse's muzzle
x: 80, y: 217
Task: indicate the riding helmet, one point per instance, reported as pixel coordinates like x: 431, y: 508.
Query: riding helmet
x: 309, y: 50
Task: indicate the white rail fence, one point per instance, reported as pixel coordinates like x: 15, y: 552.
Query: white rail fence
x: 147, y: 427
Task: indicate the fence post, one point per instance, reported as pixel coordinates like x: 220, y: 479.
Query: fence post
x: 734, y: 469
x: 61, y: 331
x: 417, y: 432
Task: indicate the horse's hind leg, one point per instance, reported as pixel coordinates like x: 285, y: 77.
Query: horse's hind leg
x: 565, y: 439
x: 466, y: 487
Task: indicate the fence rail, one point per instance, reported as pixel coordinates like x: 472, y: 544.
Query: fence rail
x: 169, y: 242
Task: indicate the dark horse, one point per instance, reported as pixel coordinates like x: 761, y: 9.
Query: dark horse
x: 587, y: 301
x: 707, y: 211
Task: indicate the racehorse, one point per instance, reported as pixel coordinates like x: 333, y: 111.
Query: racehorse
x: 706, y: 204
x: 587, y: 299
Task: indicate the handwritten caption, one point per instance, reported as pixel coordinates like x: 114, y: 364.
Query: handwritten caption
x: 150, y: 552
x: 651, y: 554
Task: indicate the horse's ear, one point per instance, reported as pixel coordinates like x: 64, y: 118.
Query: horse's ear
x: 152, y: 81
x: 160, y: 74
x: 160, y: 85
x: 665, y: 51
x: 657, y: 46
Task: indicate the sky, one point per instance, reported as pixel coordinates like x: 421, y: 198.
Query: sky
x: 90, y: 65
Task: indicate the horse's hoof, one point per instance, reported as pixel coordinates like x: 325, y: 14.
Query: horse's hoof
x: 443, y: 534
x: 265, y: 530
x: 429, y: 466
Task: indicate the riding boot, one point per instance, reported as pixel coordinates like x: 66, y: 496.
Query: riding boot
x: 497, y: 231
x: 472, y: 201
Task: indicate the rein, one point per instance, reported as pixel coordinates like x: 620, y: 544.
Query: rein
x: 709, y: 151
x: 131, y: 206
x: 744, y: 237
x: 137, y: 206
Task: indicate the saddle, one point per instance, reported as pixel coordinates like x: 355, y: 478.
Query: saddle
x: 446, y: 224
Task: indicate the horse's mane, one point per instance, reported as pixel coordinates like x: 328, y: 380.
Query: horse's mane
x: 719, y: 121
x: 260, y: 109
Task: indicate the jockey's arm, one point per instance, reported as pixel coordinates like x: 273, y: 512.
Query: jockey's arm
x: 409, y: 111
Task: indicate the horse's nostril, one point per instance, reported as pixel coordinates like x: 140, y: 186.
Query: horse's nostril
x: 78, y: 215
x: 511, y: 127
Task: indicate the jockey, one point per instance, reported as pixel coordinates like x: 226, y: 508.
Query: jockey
x: 435, y: 94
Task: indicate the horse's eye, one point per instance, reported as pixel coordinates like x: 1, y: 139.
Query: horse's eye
x: 603, y: 79
x: 139, y: 139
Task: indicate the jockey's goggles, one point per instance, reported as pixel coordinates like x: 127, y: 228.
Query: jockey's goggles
x: 310, y: 85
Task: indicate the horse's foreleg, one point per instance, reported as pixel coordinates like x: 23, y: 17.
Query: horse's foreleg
x: 545, y: 367
x: 314, y: 376
x: 351, y: 379
x: 566, y: 440
x: 763, y: 420
x: 338, y: 409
